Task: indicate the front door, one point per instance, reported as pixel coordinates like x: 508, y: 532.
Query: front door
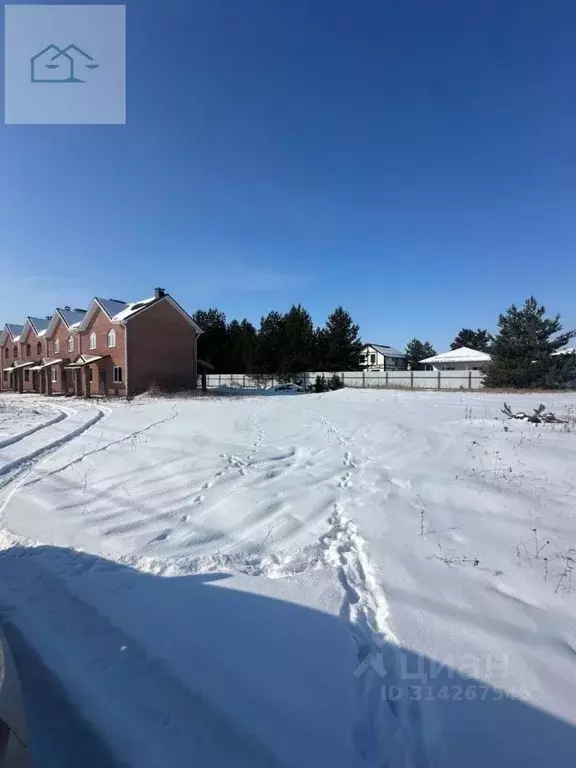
x: 102, y: 382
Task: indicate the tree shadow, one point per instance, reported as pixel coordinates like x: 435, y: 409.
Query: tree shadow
x: 203, y: 670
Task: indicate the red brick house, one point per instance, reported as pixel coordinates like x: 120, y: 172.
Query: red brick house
x: 9, y: 354
x: 126, y: 347
x: 112, y: 348
x: 62, y: 346
x: 32, y: 350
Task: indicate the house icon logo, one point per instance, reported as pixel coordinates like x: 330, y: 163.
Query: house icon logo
x: 61, y: 65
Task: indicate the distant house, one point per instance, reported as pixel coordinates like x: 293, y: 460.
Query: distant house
x: 461, y: 359
x: 381, y: 357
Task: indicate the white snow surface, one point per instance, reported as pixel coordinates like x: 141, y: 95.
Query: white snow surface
x: 358, y: 578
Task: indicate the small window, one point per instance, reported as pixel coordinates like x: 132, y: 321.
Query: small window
x: 39, y: 348
x: 5, y: 375
x: 54, y: 375
x: 56, y: 345
x: 112, y: 338
x: 28, y: 350
x: 92, y: 340
x: 71, y: 344
x: 15, y: 352
x: 372, y: 359
x: 6, y: 352
x: 26, y: 375
x: 117, y: 375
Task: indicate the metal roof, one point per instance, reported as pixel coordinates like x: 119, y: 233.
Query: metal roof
x: 386, y: 350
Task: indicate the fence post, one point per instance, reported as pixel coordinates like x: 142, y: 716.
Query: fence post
x: 219, y: 379
x: 439, y: 379
x: 411, y: 379
x: 363, y: 379
x: 469, y: 379
x: 386, y: 379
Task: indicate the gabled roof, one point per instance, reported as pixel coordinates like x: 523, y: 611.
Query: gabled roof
x: 10, y: 330
x: 70, y: 317
x: 460, y: 355
x: 122, y: 312
x: 386, y: 350
x: 111, y: 306
x: 37, y: 324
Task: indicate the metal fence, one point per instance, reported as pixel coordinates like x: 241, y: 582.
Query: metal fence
x: 359, y: 379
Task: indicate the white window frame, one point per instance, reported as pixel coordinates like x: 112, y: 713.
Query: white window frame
x: 70, y: 343
x: 111, y: 338
x: 56, y: 345
x: 92, y: 340
x: 117, y: 378
x: 54, y: 376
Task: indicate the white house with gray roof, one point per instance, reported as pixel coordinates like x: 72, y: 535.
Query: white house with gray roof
x: 382, y: 357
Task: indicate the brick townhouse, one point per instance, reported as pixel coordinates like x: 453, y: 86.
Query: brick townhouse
x: 9, y: 353
x: 114, y: 347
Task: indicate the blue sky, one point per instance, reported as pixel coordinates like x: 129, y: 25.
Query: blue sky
x: 413, y: 161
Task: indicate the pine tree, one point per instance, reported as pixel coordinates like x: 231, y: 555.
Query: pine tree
x: 299, y: 341
x: 269, y: 343
x: 479, y: 340
x: 241, y: 347
x: 212, y: 343
x: 339, y: 342
x: 416, y: 351
x: 522, y: 351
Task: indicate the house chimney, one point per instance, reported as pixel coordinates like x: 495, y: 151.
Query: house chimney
x: 159, y: 293
x: 83, y: 311
x: 67, y: 307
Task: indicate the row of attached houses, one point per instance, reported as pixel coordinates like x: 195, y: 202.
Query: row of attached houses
x: 113, y: 347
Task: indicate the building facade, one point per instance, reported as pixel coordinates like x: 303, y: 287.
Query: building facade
x: 113, y: 348
x: 381, y: 357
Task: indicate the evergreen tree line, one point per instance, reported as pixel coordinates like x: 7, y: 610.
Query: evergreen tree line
x: 284, y: 344
x: 522, y: 350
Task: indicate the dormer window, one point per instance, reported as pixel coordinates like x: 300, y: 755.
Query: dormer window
x: 111, y: 337
x: 71, y: 344
x: 15, y: 350
x: 28, y: 350
x: 56, y: 345
x: 92, y: 340
x: 39, y: 348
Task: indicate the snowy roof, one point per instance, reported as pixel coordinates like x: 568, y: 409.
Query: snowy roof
x: 40, y: 324
x: 460, y: 355
x: 111, y: 306
x: 567, y: 351
x: 71, y: 316
x: 12, y: 330
x: 130, y: 309
x: 15, y: 330
x: 386, y: 350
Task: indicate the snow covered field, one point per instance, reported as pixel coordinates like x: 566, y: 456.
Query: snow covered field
x: 351, y: 579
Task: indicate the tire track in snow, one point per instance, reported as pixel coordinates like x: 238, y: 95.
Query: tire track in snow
x: 14, y: 472
x: 60, y: 416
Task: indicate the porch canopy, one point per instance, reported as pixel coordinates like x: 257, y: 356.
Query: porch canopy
x: 46, y: 362
x: 83, y: 360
